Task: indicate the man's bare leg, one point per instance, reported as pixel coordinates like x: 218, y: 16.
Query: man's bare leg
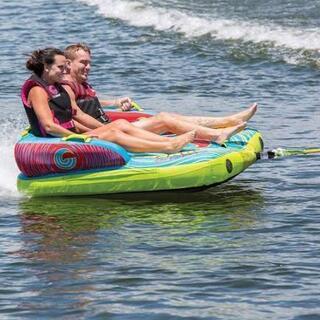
x: 163, y: 122
x: 155, y: 123
x: 221, y: 122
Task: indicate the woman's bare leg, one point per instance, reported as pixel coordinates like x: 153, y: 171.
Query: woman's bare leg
x: 226, y: 133
x: 160, y: 123
x: 128, y: 128
x: 134, y: 144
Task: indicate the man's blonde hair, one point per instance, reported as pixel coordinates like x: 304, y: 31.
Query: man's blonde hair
x: 71, y: 50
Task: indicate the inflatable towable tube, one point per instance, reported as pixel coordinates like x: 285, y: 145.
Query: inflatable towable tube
x: 79, y: 166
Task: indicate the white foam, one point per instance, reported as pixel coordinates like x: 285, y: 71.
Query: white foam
x: 8, y: 168
x: 139, y: 14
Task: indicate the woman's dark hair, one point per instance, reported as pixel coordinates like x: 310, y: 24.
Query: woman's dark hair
x: 39, y: 58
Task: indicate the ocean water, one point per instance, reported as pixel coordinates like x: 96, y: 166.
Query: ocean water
x: 248, y: 249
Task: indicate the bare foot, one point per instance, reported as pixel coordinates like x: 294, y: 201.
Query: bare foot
x: 228, y: 132
x: 247, y: 114
x: 233, y: 120
x: 178, y: 142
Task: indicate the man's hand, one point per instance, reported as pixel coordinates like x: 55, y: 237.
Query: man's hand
x: 125, y: 104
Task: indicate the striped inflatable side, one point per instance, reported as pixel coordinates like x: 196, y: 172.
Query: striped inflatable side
x: 37, y: 159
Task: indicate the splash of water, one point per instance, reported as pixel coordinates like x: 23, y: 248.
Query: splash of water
x: 9, y: 134
x: 138, y: 14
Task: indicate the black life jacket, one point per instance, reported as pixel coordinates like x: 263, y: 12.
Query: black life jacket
x: 87, y: 100
x: 59, y: 103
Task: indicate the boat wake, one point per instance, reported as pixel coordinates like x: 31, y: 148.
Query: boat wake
x: 138, y: 14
